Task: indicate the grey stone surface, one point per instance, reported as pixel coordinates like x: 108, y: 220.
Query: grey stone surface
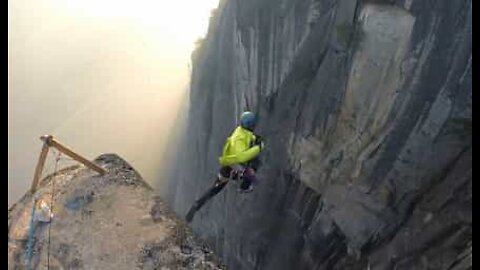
x: 367, y: 114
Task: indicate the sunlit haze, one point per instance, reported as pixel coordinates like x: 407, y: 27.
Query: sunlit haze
x: 182, y: 21
x: 102, y: 76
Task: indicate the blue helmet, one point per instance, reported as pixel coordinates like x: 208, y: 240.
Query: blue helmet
x: 248, y: 120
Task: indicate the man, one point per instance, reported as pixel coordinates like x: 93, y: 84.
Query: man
x: 239, y: 161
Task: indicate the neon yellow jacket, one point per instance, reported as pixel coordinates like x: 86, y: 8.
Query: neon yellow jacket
x: 237, y: 148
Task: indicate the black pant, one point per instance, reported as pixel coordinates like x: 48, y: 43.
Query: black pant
x: 226, y: 172
x: 214, y: 190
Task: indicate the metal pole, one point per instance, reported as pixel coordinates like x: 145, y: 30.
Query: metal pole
x: 62, y: 148
x: 41, y: 163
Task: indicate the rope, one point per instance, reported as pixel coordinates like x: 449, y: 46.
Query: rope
x: 31, y: 232
x: 31, y: 229
x: 46, y: 172
x: 30, y: 236
x: 29, y: 254
x: 51, y: 209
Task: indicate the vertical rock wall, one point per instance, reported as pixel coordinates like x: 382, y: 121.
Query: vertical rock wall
x: 366, y: 110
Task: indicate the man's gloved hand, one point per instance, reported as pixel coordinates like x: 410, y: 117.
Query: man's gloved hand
x: 259, y: 141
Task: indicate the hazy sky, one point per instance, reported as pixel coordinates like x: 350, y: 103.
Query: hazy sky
x: 101, y: 75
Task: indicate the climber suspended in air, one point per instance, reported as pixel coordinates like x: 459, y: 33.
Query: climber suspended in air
x: 239, y: 161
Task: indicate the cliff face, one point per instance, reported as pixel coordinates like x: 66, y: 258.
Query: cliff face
x: 366, y: 110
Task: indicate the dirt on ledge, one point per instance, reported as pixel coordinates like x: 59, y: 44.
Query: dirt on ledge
x: 106, y: 222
